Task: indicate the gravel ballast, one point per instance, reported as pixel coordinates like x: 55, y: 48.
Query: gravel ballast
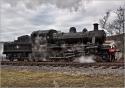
x: 67, y: 70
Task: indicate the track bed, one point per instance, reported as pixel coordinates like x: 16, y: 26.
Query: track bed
x: 63, y: 64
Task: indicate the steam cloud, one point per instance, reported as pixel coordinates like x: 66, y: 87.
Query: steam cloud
x: 86, y: 59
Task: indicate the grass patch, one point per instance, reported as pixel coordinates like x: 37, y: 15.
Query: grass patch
x: 13, y: 78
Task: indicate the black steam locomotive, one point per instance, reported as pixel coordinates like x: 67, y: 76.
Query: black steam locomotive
x: 52, y: 45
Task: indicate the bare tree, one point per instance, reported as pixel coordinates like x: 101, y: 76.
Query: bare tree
x: 103, y: 21
x: 119, y: 21
x: 105, y: 24
x: 117, y: 25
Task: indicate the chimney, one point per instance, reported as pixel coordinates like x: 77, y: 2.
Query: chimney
x: 95, y: 26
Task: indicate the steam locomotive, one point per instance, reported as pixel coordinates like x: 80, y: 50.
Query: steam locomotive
x: 52, y: 45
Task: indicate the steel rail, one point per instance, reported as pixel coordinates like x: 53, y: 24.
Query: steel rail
x: 63, y: 64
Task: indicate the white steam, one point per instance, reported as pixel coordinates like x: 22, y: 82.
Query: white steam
x: 85, y: 59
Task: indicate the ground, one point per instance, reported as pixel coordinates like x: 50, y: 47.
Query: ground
x: 24, y: 77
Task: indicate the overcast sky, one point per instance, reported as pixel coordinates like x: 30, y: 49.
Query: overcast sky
x: 20, y: 17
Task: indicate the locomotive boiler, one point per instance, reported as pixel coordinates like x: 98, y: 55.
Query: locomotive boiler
x: 52, y: 45
x: 96, y: 36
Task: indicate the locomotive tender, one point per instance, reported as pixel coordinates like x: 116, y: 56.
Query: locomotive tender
x: 51, y: 45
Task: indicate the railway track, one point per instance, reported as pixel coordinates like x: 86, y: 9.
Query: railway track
x: 63, y: 64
